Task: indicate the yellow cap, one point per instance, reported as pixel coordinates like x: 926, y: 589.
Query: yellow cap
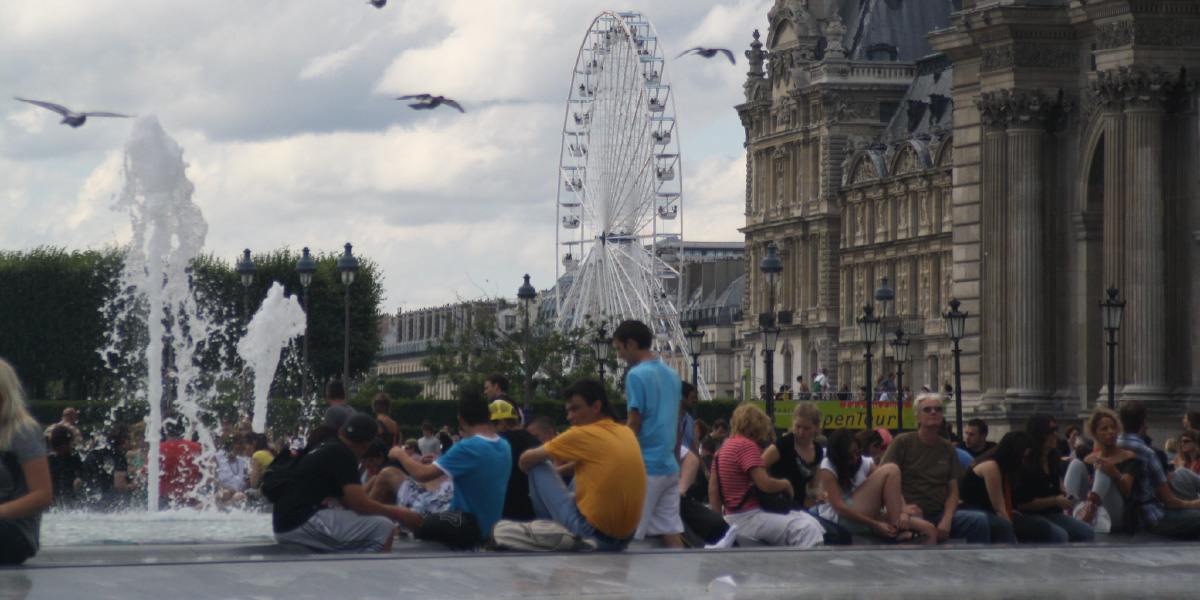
x: 501, y: 410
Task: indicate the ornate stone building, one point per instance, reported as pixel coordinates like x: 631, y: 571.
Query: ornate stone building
x: 1048, y: 150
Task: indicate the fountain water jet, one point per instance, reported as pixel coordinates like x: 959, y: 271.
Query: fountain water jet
x: 275, y: 324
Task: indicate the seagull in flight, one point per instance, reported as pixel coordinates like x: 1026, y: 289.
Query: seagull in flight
x: 377, y: 3
x: 70, y: 117
x: 709, y: 53
x: 427, y: 102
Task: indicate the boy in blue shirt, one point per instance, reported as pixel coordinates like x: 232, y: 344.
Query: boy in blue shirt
x: 479, y: 465
x: 652, y: 395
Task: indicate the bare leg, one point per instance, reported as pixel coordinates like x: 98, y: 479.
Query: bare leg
x: 672, y: 540
x: 385, y: 484
x: 881, y: 489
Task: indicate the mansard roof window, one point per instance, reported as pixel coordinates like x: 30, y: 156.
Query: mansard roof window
x: 883, y: 52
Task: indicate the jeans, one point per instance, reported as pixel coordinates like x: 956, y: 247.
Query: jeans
x: 1076, y: 482
x: 966, y: 524
x: 999, y: 530
x: 1182, y: 523
x: 552, y: 500
x: 1051, y: 527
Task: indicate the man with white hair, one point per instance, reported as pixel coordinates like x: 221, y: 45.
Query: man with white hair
x: 929, y: 474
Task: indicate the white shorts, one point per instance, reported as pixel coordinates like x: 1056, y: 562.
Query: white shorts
x: 660, y: 510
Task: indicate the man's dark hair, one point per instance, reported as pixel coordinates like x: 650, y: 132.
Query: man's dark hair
x: 1133, y: 415
x: 591, y: 391
x: 686, y: 390
x: 542, y: 421
x: 721, y: 424
x: 426, y: 426
x: 636, y: 331
x: 1193, y: 417
x: 172, y: 428
x: 382, y: 403
x: 498, y: 380
x: 979, y: 424
x: 335, y: 389
x: 473, y: 408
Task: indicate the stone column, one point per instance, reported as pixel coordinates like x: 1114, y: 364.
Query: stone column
x: 1144, y: 324
x: 1026, y: 370
x: 995, y: 240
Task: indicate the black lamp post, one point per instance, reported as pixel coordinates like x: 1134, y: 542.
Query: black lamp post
x: 348, y: 266
x: 901, y: 346
x: 956, y: 325
x: 305, y: 267
x: 884, y: 296
x: 602, y: 343
x: 694, y: 339
x: 770, y: 267
x: 1111, y: 310
x: 246, y: 270
x: 526, y: 294
x: 868, y: 326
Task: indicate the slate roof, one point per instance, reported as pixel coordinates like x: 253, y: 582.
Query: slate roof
x: 902, y: 24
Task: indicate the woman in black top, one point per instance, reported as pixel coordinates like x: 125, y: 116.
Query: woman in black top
x: 988, y: 483
x: 1038, y: 493
x: 796, y: 457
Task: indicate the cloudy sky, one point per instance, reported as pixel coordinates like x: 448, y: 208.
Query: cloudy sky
x: 285, y: 112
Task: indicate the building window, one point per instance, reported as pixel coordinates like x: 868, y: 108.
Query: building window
x: 883, y: 52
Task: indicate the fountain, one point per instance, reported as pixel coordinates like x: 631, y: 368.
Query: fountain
x: 158, y: 295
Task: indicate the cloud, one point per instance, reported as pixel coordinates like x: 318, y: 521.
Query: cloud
x: 328, y: 64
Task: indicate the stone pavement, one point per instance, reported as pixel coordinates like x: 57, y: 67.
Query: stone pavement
x: 1107, y: 570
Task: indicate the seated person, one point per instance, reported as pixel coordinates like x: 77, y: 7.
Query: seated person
x: 106, y: 480
x: 610, y: 477
x: 738, y: 467
x: 858, y: 492
x: 1156, y: 506
x: 323, y: 506
x: 517, y: 505
x: 701, y: 525
x: 987, y: 485
x: 66, y: 468
x: 1038, y: 491
x: 479, y: 466
x: 929, y: 473
x: 1104, y: 478
x: 233, y: 472
x: 394, y: 486
x: 795, y: 456
x: 1187, y: 455
x: 261, y: 457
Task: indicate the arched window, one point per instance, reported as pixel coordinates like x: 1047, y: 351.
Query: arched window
x: 883, y: 52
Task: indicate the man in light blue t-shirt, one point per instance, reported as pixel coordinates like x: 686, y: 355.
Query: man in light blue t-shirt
x: 479, y: 465
x: 652, y: 395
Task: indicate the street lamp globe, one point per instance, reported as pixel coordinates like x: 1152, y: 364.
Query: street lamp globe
x: 526, y: 294
x: 900, y: 345
x: 693, y: 337
x: 1111, y: 309
x: 247, y: 269
x: 770, y: 338
x: 348, y: 266
x: 868, y: 325
x: 771, y: 265
x: 306, y: 267
x: 956, y: 321
x: 602, y: 344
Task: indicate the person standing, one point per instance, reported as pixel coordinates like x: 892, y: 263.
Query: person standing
x: 429, y: 444
x: 338, y: 411
x: 652, y: 393
x: 25, y: 485
x: 687, y: 423
x: 389, y: 431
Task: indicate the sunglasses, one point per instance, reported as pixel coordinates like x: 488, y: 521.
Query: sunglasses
x: 931, y: 409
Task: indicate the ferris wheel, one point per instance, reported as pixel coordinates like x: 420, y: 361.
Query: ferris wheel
x: 620, y: 213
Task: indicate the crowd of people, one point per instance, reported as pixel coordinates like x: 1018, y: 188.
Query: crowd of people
x: 354, y: 484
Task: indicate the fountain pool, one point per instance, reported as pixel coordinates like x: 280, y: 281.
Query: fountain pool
x: 173, y: 526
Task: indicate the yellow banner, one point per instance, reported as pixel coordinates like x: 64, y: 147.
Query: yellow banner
x: 846, y: 415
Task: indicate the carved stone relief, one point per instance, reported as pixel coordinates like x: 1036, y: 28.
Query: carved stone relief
x: 1034, y: 56
x: 1147, y: 33
x: 924, y: 274
x: 1008, y: 108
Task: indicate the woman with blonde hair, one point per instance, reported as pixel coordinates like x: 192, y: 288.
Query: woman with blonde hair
x: 1104, y: 478
x: 25, y: 485
x: 738, y: 471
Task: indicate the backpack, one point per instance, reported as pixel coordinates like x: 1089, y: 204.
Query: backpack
x: 279, y: 474
x: 537, y: 536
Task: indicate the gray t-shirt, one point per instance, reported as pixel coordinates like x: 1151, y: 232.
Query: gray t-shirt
x: 27, y: 444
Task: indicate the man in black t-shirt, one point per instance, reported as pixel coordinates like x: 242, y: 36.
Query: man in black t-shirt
x: 975, y: 440
x: 517, y: 505
x: 323, y: 505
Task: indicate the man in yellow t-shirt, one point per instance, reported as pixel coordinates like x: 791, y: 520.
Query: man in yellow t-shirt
x: 610, y: 477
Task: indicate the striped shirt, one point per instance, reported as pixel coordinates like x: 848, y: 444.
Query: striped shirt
x: 734, y: 460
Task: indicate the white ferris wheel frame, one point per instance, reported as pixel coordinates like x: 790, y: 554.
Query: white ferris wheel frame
x: 619, y: 176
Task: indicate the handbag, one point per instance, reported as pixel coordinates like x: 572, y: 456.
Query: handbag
x: 772, y: 502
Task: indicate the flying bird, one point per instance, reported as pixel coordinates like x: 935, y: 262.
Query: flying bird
x: 377, y: 3
x: 70, y: 117
x: 709, y: 53
x: 427, y: 102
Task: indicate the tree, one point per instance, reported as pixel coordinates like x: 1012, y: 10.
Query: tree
x: 475, y: 346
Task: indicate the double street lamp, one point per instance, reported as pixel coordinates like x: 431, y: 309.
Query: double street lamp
x: 1110, y: 310
x: 694, y: 342
x: 526, y: 294
x: 305, y: 267
x: 347, y: 265
x: 900, y: 345
x: 868, y: 326
x: 956, y: 326
x: 770, y: 267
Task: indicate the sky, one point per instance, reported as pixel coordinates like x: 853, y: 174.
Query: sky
x: 286, y: 114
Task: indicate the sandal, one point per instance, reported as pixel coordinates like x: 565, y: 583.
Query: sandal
x: 908, y: 536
